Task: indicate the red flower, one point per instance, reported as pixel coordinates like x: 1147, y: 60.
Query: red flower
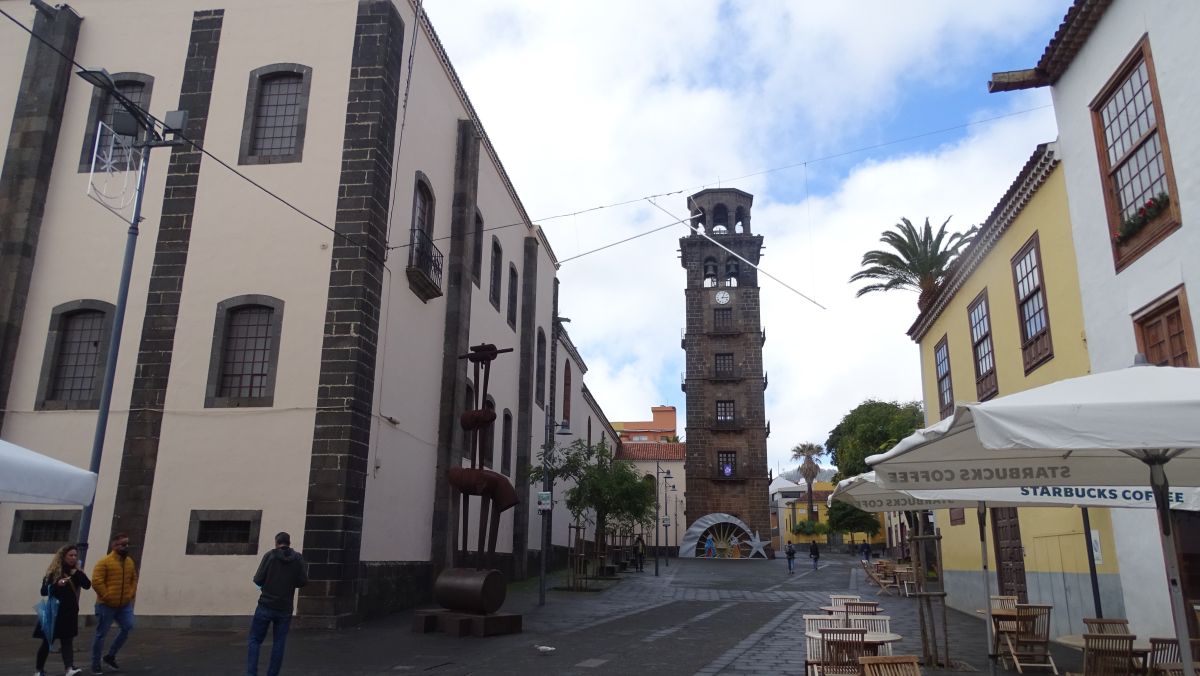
x: 1142, y: 212
x: 1150, y: 203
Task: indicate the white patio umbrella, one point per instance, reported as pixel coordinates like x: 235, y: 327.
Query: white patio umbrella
x: 28, y: 476
x: 865, y: 492
x: 1102, y: 429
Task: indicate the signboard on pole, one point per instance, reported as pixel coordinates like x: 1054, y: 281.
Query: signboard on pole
x: 666, y: 521
x: 544, y: 503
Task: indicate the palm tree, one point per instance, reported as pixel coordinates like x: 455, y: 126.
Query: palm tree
x: 918, y: 260
x: 809, y: 452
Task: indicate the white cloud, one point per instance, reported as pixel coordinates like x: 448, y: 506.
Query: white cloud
x: 595, y: 103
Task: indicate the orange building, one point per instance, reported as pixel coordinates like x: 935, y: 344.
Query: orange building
x: 660, y: 427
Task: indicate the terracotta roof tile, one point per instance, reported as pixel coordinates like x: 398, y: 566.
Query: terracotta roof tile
x: 650, y: 450
x: 1072, y: 33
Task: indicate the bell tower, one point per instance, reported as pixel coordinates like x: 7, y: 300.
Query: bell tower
x: 724, y: 382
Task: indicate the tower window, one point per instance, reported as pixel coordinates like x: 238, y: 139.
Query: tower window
x: 725, y: 411
x: 732, y: 271
x: 276, y: 114
x: 727, y: 463
x: 723, y: 318
x: 739, y: 221
x: 723, y: 364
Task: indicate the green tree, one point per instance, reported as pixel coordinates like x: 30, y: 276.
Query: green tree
x: 808, y: 453
x: 846, y: 518
x: 918, y: 260
x: 871, y: 427
x: 609, y: 487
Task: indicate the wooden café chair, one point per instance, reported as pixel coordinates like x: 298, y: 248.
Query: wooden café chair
x: 814, y: 624
x: 1107, y: 625
x: 1029, y: 644
x: 1107, y: 654
x: 899, y: 665
x: 874, y: 624
x: 840, y: 650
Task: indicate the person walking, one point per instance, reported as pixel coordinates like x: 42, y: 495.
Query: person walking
x: 639, y: 550
x: 280, y: 573
x: 62, y: 582
x: 865, y: 551
x: 115, y: 580
x: 814, y: 553
x: 791, y: 558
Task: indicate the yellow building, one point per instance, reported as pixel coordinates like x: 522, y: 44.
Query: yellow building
x: 1009, y: 318
x: 789, y: 508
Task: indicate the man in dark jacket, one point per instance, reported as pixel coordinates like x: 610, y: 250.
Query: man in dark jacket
x: 279, y: 575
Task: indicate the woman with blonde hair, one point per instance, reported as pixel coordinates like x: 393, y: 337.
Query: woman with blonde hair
x: 63, y: 581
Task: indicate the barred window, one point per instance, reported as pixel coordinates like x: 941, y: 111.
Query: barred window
x: 725, y: 411
x: 496, y: 272
x: 247, y: 355
x: 138, y: 94
x: 137, y: 87
x: 75, y: 367
x: 276, y: 114
x: 566, y: 405
x: 1032, y: 314
x: 512, y: 296
x: 539, y: 388
x: 477, y: 251
x: 42, y: 531
x: 941, y: 359
x: 246, y: 341
x: 723, y: 318
x: 723, y: 362
x: 506, y: 443
x: 727, y: 463
x: 223, y: 532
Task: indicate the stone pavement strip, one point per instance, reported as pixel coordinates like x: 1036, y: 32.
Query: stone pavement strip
x: 696, y: 617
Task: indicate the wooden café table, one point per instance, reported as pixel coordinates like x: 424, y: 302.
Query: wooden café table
x: 872, y: 640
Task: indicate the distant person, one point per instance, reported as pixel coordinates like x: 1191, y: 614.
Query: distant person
x: 791, y: 558
x: 280, y: 573
x: 115, y: 580
x: 639, y: 551
x: 865, y: 551
x: 814, y: 553
x: 710, y: 547
x: 62, y: 582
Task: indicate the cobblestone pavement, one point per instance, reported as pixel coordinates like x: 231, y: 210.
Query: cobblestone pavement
x: 696, y: 617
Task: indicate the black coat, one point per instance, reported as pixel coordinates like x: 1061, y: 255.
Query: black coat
x: 67, y: 624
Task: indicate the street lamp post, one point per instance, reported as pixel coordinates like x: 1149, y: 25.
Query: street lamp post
x: 666, y: 474
x: 667, y: 526
x: 129, y: 121
x: 549, y: 470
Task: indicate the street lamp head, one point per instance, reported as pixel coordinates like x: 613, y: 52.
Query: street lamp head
x: 667, y: 475
x: 562, y: 429
x: 98, y: 78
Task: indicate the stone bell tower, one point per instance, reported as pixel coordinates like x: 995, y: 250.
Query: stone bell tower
x: 724, y: 382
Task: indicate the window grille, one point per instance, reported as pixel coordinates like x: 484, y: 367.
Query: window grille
x: 723, y: 318
x: 725, y: 411
x: 136, y: 92
x: 981, y: 344
x: 1031, y: 306
x: 727, y: 463
x: 512, y: 296
x: 723, y: 363
x: 277, y: 115
x: 223, y: 532
x: 497, y: 261
x: 46, y: 531
x: 246, y: 356
x: 78, y: 356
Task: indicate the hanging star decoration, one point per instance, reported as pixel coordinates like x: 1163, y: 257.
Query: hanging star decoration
x: 758, y: 547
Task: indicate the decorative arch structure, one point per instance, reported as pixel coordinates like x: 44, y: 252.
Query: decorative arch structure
x: 733, y: 539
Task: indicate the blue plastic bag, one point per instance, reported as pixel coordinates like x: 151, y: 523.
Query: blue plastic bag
x: 47, y: 614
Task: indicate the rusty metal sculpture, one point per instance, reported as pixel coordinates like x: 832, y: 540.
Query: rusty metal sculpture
x: 473, y: 595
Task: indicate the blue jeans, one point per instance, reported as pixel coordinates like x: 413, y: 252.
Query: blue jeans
x: 264, y: 617
x: 791, y: 564
x: 816, y: 560
x: 104, y: 619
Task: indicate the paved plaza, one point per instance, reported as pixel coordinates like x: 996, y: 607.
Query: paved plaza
x: 697, y: 617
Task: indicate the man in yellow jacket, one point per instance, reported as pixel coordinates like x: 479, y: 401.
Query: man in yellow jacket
x: 114, y: 580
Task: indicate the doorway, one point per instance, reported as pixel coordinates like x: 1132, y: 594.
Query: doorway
x: 1010, y: 554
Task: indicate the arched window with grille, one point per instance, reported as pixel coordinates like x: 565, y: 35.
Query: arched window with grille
x: 245, y: 352
x: 276, y: 114
x: 74, y: 359
x: 506, y: 430
x: 710, y: 272
x: 566, y: 393
x: 513, y: 288
x: 136, y: 87
x: 539, y: 387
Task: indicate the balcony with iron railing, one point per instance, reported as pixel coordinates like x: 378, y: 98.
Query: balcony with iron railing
x: 734, y: 424
x: 764, y: 381
x: 424, y: 266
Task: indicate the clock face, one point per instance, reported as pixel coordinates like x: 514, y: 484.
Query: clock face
x: 722, y: 297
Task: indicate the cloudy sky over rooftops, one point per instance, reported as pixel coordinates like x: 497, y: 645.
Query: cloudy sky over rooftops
x: 812, y: 107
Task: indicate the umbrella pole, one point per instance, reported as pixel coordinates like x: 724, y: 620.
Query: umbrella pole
x: 1091, y: 554
x: 981, y: 515
x: 1158, y: 483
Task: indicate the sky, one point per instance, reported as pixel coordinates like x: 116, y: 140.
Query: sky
x: 840, y: 118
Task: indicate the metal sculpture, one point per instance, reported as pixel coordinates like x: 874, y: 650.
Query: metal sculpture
x: 479, y: 590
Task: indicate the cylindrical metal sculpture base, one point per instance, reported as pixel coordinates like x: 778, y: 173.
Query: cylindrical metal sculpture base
x: 468, y: 590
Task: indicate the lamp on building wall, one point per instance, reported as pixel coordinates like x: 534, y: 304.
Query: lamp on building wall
x: 129, y: 120
x: 664, y: 474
